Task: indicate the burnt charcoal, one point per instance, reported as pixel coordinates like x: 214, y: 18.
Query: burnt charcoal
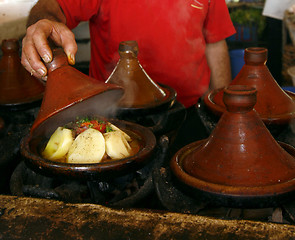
x: 73, y: 192
x: 171, y: 197
x: 35, y: 191
x: 98, y: 191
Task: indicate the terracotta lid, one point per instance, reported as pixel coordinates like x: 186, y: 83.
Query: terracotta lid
x: 17, y: 85
x: 70, y: 94
x: 140, y: 90
x: 240, y: 157
x: 274, y: 105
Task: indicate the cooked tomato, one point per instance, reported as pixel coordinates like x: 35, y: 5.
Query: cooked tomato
x: 95, y: 124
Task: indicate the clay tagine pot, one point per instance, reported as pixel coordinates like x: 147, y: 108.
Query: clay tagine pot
x: 274, y: 105
x: 33, y: 144
x: 240, y: 164
x: 141, y: 92
x: 18, y: 87
x: 70, y: 94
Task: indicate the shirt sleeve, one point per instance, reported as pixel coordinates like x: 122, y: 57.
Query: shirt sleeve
x: 218, y: 24
x: 77, y: 11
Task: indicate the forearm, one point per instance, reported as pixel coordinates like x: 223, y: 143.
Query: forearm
x: 219, y: 64
x: 46, y: 9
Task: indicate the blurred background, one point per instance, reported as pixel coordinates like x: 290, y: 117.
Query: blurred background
x: 247, y: 15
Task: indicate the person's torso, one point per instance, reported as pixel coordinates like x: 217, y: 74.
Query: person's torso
x: 169, y: 35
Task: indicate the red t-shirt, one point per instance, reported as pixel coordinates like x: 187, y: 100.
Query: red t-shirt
x: 171, y: 36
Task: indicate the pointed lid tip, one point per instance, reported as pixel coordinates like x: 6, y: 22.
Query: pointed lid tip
x: 10, y: 45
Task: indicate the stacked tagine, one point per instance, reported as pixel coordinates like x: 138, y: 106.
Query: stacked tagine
x: 274, y: 105
x: 18, y: 87
x: 142, y: 94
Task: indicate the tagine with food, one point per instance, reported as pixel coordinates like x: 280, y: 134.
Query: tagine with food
x: 89, y: 140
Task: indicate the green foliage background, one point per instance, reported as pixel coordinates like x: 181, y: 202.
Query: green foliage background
x: 249, y: 17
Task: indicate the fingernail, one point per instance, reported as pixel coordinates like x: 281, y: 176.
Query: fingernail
x: 44, y: 78
x: 46, y: 58
x: 42, y: 72
x: 71, y: 59
x: 32, y: 72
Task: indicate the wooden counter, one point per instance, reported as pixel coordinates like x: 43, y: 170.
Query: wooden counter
x: 31, y: 218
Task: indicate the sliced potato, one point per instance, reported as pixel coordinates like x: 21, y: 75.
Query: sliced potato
x: 58, y: 144
x: 115, y: 128
x: 88, y: 147
x: 117, y: 146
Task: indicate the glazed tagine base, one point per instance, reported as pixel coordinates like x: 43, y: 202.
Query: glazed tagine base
x: 23, y: 104
x: 210, y: 120
x: 213, y: 101
x: 32, y: 146
x: 153, y: 107
x: 226, y: 195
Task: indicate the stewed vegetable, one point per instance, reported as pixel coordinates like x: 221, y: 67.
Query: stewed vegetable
x: 89, y: 141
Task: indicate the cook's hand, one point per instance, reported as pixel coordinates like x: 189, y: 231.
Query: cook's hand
x: 35, y: 45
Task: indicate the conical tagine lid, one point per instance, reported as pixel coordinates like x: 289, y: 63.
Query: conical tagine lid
x: 240, y: 157
x: 18, y: 87
x: 140, y: 90
x: 70, y: 94
x: 274, y: 105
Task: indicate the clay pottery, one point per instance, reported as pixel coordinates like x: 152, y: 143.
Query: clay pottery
x: 70, y: 94
x: 33, y: 144
x: 18, y: 87
x: 142, y: 94
x: 274, y: 105
x: 240, y: 164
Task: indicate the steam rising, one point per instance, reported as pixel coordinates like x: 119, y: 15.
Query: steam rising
x: 103, y: 104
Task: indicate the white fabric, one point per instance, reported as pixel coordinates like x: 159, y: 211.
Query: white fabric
x: 276, y: 8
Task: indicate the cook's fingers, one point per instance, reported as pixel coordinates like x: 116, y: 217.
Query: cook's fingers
x: 38, y: 35
x: 30, y: 52
x: 65, y: 38
x: 33, y: 64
